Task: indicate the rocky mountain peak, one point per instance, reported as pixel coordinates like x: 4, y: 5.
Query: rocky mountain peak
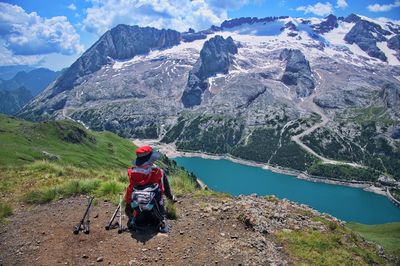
x: 121, y: 42
x: 297, y: 72
x: 215, y: 57
x: 366, y: 34
x: 330, y: 23
x: 248, y: 20
x: 352, y: 18
x: 290, y: 26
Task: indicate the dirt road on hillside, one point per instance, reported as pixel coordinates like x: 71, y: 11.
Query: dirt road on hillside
x: 309, y: 105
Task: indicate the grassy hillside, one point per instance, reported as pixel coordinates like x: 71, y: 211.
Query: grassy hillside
x: 386, y: 235
x: 65, y: 142
x: 40, y: 162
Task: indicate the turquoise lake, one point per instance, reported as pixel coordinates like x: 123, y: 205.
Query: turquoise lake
x: 345, y: 203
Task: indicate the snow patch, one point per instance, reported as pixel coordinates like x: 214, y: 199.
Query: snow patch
x: 390, y: 54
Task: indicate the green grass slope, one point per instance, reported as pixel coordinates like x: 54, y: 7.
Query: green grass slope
x: 40, y: 162
x: 65, y: 141
x: 386, y: 235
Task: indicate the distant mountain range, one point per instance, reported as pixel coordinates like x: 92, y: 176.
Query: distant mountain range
x: 23, y: 86
x: 290, y: 92
x: 8, y: 72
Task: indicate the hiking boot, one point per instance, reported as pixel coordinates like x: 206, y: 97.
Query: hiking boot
x: 163, y: 228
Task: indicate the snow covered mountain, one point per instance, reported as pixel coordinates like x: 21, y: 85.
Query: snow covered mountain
x: 248, y: 85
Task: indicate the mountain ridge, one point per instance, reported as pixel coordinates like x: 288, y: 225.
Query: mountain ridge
x: 22, y: 87
x: 260, y: 95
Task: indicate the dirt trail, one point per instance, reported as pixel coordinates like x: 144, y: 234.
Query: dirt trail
x: 309, y: 105
x: 203, y: 235
x: 210, y: 230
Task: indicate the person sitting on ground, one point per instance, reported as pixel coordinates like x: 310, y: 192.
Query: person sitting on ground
x: 143, y: 174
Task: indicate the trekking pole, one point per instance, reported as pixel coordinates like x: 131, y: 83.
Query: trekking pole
x: 110, y: 224
x: 81, y: 226
x: 120, y: 229
x: 86, y: 229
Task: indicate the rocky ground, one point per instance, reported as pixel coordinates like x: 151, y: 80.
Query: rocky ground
x: 209, y: 231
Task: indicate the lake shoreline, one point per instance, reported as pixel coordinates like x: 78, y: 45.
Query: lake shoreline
x: 170, y: 151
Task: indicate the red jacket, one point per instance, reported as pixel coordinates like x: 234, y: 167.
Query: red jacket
x: 141, y: 176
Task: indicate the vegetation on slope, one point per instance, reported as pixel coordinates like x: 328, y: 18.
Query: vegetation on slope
x: 337, y: 246
x: 386, y: 235
x: 395, y: 193
x: 343, y: 172
x: 368, y: 147
x: 64, y: 142
x: 227, y: 135
x: 44, y: 161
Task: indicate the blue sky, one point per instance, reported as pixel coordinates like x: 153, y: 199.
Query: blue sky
x: 53, y: 33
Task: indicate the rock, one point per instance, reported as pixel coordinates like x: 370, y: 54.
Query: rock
x: 391, y: 96
x: 248, y: 20
x: 181, y: 232
x: 290, y: 26
x: 193, y: 36
x: 329, y: 24
x: 394, y: 43
x: 84, y: 256
x: 297, y: 72
x: 49, y: 156
x: 215, y: 208
x: 99, y: 259
x: 395, y: 133
x: 366, y: 34
x: 352, y: 18
x: 121, y: 42
x: 215, y: 57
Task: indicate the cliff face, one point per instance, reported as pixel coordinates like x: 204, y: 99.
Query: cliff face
x: 215, y: 57
x: 366, y: 34
x: 297, y: 72
x: 330, y: 23
x: 122, y: 42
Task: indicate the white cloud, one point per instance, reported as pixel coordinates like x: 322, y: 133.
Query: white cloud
x: 383, y: 8
x: 227, y: 4
x: 341, y: 4
x: 8, y: 58
x: 318, y: 9
x: 176, y: 14
x: 71, y: 7
x: 28, y: 34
